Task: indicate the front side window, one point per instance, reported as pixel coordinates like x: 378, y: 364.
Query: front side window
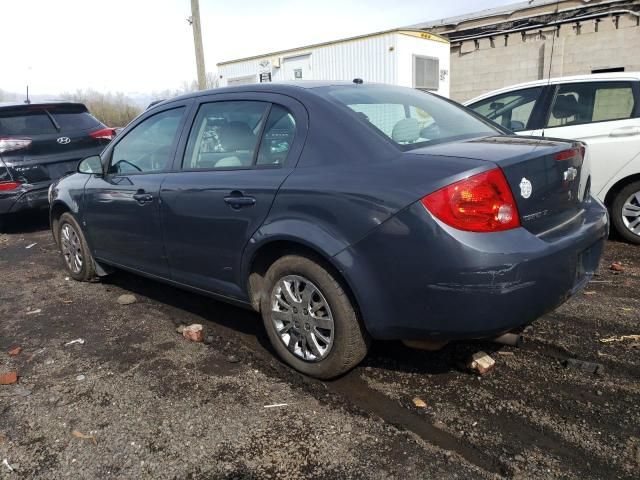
x: 511, y: 110
x: 580, y: 103
x: 225, y: 135
x: 409, y: 118
x: 147, y: 148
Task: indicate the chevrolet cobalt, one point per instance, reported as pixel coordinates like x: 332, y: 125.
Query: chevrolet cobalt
x: 341, y: 212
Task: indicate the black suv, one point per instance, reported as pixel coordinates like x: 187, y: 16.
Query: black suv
x: 39, y: 143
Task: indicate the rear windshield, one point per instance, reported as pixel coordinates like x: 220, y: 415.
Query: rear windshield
x: 409, y: 118
x: 40, y: 121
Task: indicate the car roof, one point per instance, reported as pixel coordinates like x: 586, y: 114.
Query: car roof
x: 282, y: 87
x: 593, y: 77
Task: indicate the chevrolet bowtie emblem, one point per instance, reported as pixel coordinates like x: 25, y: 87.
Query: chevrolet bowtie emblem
x: 570, y: 174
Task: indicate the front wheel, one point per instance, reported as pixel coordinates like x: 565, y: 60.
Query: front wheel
x: 74, y: 249
x: 625, y: 212
x: 310, y: 320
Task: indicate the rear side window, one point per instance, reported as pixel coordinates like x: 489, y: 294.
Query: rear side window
x: 512, y: 110
x: 25, y: 123
x: 278, y: 136
x: 580, y: 103
x: 225, y: 135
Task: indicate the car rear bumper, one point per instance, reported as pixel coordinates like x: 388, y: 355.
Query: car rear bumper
x: 415, y: 278
x: 27, y: 197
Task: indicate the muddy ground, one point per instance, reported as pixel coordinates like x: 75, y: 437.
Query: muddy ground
x: 151, y: 404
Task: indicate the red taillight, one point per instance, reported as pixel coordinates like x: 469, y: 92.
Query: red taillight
x: 8, y: 144
x: 104, y: 134
x: 7, y: 186
x: 482, y: 203
x: 570, y: 154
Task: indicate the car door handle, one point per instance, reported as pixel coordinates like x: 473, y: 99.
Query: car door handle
x: 237, y: 200
x: 625, y: 131
x: 142, y: 197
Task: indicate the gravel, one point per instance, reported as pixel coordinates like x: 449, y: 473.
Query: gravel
x: 137, y: 400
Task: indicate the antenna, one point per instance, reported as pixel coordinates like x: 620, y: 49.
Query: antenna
x: 553, y: 44
x: 27, y: 101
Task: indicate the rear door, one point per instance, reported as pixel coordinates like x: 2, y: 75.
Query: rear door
x: 604, y: 115
x: 240, y: 149
x: 121, y: 208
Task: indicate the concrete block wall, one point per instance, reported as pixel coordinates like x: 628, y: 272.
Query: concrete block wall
x: 487, y: 64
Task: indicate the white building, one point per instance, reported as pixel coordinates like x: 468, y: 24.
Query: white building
x: 406, y: 57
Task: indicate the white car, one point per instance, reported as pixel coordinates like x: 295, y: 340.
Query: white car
x: 602, y: 110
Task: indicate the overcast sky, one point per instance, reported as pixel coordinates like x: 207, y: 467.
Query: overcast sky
x: 147, y: 45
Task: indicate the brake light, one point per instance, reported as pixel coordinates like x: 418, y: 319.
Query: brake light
x: 104, y: 134
x: 8, y: 186
x: 481, y: 203
x: 570, y: 154
x: 9, y: 144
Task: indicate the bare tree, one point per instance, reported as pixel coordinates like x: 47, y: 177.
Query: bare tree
x: 112, y: 109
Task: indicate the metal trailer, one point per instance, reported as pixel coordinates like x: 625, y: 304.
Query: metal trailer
x: 405, y: 57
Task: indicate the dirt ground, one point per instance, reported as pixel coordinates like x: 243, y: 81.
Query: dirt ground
x: 136, y: 400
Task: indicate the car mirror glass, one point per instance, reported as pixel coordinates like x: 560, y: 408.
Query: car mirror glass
x: 91, y: 165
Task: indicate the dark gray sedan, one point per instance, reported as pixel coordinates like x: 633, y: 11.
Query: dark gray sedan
x: 341, y: 212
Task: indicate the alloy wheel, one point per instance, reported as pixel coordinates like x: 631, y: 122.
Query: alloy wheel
x: 71, y: 248
x: 631, y: 213
x: 302, y: 318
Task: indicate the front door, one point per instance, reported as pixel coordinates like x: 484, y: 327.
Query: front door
x: 237, y: 155
x: 122, y: 207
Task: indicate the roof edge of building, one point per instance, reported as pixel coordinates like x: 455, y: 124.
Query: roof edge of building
x: 408, y: 30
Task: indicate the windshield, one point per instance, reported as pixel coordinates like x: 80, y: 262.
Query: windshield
x: 410, y: 118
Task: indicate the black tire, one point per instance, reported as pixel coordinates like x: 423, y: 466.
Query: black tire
x: 616, y: 212
x: 350, y: 339
x: 87, y: 272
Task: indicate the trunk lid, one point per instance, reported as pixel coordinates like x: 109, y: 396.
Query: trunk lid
x: 545, y: 175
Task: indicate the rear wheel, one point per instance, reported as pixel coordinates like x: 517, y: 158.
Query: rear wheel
x: 625, y: 212
x: 310, y: 320
x: 75, y: 252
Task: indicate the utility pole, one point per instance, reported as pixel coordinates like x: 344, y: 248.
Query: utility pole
x: 197, y: 41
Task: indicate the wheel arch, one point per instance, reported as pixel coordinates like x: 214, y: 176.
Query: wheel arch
x: 269, y: 251
x: 616, y: 187
x: 56, y: 210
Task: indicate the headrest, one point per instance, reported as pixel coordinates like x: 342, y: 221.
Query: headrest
x: 406, y: 130
x: 565, y: 106
x: 236, y: 136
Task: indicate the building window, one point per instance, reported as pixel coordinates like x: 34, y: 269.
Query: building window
x: 426, y: 73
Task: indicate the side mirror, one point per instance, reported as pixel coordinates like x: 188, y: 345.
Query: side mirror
x: 91, y: 165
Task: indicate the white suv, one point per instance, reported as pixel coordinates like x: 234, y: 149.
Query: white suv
x: 602, y: 110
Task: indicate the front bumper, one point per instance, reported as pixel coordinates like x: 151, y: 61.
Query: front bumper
x: 416, y: 278
x: 27, y: 197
